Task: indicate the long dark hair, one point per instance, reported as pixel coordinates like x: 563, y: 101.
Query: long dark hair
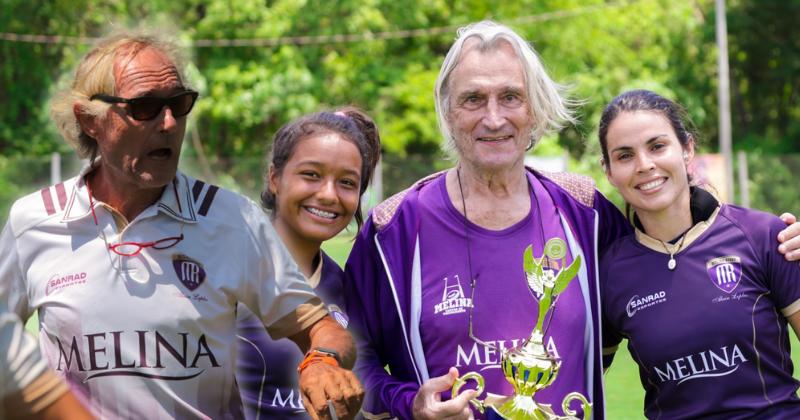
x: 349, y: 122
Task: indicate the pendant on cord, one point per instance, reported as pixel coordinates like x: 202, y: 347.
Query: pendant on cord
x: 671, y: 264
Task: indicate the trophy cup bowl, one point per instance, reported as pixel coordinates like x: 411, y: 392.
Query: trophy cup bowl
x: 529, y: 367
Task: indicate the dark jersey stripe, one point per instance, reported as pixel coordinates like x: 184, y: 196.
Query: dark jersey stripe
x: 212, y: 191
x: 196, y: 189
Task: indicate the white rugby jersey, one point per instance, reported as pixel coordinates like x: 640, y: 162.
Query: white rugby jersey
x: 152, y: 335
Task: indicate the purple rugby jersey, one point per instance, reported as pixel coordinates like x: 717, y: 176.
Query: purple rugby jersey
x: 711, y: 336
x: 504, y: 311
x: 266, y: 369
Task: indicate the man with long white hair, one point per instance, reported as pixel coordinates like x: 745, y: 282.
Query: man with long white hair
x: 436, y: 285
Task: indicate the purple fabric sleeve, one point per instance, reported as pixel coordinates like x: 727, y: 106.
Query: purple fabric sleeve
x: 610, y: 336
x: 613, y: 224
x: 782, y: 277
x: 363, y: 275
x: 395, y: 394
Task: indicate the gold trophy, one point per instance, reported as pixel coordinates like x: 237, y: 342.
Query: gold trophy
x: 530, y: 367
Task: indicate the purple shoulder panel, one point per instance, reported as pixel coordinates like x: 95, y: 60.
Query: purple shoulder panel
x: 383, y: 213
x: 580, y: 187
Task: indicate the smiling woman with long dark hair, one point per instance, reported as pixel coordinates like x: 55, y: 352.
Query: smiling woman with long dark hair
x: 700, y: 291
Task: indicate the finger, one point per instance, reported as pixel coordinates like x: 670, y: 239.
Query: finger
x: 790, y: 248
x: 453, y: 373
x: 792, y: 255
x: 429, y: 395
x: 789, y: 232
x: 788, y: 218
x: 332, y: 412
x: 316, y: 400
x: 442, y: 383
x: 309, y: 408
x: 339, y: 405
x: 354, y: 393
x: 457, y: 406
x: 336, y: 387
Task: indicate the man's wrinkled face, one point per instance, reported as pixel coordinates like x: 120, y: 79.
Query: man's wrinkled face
x: 143, y: 154
x: 490, y: 115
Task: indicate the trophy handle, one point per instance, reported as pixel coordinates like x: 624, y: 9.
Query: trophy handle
x: 587, y: 406
x: 462, y: 380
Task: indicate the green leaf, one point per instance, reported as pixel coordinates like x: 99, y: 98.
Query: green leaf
x: 566, y: 275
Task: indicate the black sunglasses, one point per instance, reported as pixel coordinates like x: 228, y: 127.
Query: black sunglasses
x: 146, y: 108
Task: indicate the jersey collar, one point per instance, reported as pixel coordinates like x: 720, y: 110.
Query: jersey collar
x: 175, y: 201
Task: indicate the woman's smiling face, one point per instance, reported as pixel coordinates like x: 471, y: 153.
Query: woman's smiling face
x: 646, y: 161
x: 317, y: 192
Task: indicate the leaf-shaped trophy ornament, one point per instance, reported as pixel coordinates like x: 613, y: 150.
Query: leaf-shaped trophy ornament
x: 530, y: 367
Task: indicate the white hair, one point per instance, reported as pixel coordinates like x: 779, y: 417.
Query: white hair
x: 549, y: 106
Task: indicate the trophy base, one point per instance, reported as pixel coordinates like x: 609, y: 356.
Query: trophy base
x: 520, y: 408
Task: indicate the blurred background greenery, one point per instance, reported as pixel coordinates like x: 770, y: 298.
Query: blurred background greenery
x: 260, y: 63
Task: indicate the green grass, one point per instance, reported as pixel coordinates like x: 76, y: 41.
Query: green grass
x: 624, y: 393
x: 338, y: 248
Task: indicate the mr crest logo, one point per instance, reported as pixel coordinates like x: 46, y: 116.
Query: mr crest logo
x: 453, y: 299
x: 189, y: 271
x: 725, y: 272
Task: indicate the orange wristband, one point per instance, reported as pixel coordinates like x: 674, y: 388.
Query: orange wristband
x: 316, y: 356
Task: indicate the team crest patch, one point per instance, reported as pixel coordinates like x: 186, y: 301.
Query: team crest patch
x: 725, y: 272
x: 338, y: 314
x: 189, y: 271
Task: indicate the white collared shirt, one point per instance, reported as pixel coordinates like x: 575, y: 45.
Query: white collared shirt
x: 151, y: 335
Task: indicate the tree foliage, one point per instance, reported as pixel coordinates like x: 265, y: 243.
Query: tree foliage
x: 597, y: 47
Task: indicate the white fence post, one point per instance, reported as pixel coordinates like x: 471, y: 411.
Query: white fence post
x: 744, y: 184
x: 55, y: 168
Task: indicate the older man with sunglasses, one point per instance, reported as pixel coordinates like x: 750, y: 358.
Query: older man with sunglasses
x: 135, y: 269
